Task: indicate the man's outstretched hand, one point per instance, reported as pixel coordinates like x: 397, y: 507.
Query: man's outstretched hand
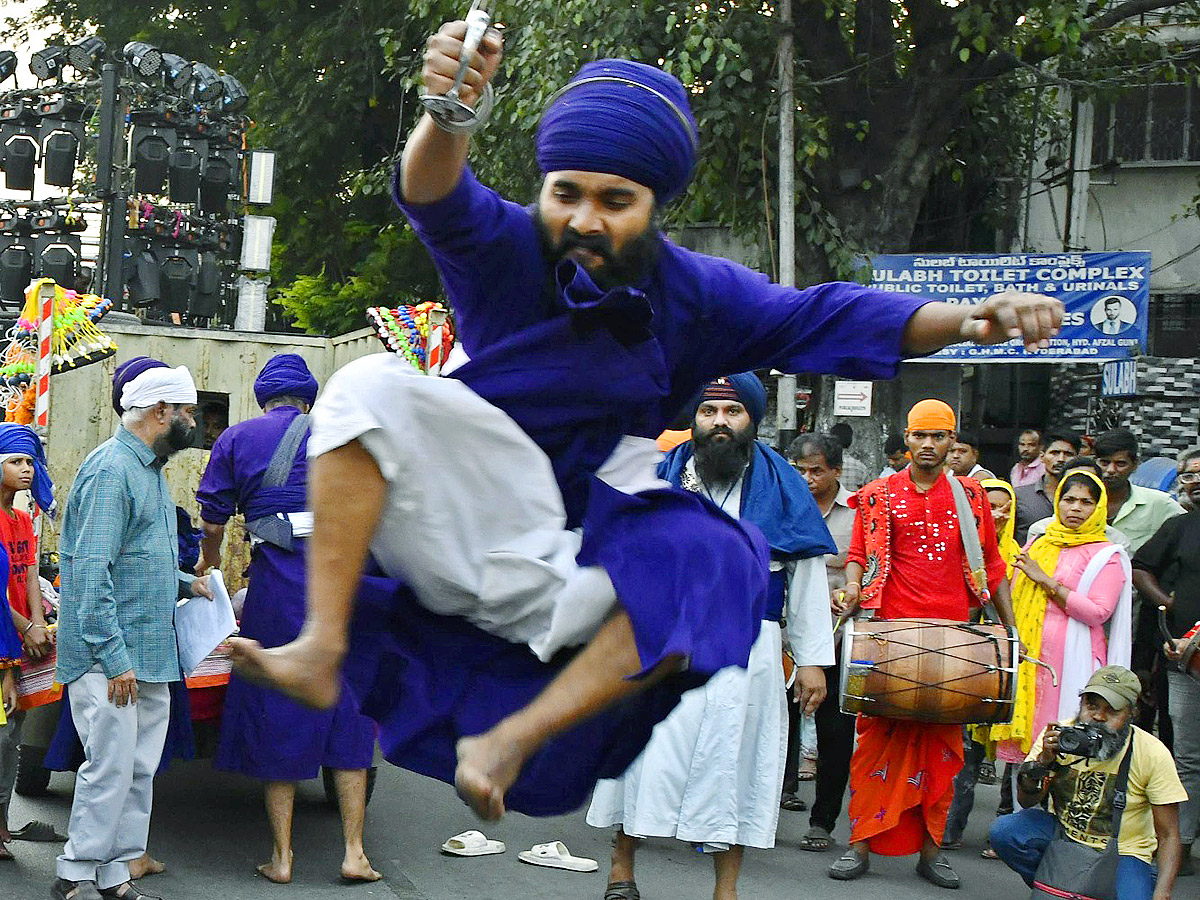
x: 1034, y: 318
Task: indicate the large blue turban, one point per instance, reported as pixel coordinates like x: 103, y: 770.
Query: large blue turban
x: 623, y: 118
x: 126, y: 372
x: 23, y: 441
x: 745, y: 388
x: 285, y: 375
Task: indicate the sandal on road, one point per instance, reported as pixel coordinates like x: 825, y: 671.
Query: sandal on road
x: 472, y: 843
x: 792, y: 803
x: 808, y: 769
x: 622, y: 890
x: 817, y: 839
x: 555, y: 855
x: 6, y: 854
x: 41, y: 832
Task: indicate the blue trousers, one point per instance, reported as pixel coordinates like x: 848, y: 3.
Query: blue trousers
x: 1020, y: 839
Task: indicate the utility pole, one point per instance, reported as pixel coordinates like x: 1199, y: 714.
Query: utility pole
x: 110, y: 187
x: 785, y: 409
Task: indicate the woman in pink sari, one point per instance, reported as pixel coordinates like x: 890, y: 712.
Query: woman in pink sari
x: 1072, y: 599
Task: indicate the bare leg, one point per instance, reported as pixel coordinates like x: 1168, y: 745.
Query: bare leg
x: 145, y: 865
x: 727, y: 866
x: 862, y: 848
x: 347, y: 493
x: 596, y: 678
x: 929, y: 850
x: 351, y: 787
x: 281, y: 802
x: 624, y: 847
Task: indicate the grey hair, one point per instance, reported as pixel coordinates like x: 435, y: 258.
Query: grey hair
x: 134, y: 417
x: 1188, y: 455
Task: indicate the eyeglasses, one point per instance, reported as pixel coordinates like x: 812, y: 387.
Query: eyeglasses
x: 1189, y: 477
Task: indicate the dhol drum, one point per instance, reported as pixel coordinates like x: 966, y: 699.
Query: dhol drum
x: 949, y: 673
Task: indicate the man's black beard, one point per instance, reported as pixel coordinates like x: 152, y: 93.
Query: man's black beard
x: 721, y: 462
x: 177, y: 437
x: 627, y: 268
x: 1112, y: 742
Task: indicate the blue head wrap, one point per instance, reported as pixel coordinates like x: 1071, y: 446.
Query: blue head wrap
x: 623, y: 118
x: 21, y: 439
x: 285, y: 375
x: 744, y: 388
x: 126, y: 372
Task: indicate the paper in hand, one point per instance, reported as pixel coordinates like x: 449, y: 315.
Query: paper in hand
x: 201, y: 624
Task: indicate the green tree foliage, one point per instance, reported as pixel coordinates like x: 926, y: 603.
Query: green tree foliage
x: 888, y: 95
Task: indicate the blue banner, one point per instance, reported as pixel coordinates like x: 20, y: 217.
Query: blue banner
x: 1107, y: 296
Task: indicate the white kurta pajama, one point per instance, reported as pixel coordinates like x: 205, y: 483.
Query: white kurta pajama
x: 712, y: 773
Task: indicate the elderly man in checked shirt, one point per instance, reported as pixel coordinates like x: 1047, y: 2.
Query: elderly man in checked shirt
x: 116, y: 644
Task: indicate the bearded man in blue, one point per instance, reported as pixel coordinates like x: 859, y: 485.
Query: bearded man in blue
x: 551, y: 611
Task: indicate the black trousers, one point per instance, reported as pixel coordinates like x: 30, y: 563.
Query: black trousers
x: 835, y: 744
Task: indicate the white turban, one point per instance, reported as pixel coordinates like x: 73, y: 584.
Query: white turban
x: 153, y: 385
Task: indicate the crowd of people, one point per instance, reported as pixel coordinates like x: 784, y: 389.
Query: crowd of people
x: 545, y: 609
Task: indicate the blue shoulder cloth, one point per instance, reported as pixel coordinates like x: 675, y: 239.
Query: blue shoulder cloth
x: 776, y: 498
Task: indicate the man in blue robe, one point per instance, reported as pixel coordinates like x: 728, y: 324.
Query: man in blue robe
x: 260, y: 468
x: 587, y: 331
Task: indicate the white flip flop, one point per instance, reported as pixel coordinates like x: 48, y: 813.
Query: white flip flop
x: 472, y: 843
x: 555, y: 855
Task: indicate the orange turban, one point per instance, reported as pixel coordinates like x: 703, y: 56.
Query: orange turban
x: 931, y: 415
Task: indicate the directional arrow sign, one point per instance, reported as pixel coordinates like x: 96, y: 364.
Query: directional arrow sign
x: 852, y: 398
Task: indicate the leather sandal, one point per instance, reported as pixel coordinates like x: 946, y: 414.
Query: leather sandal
x: 126, y: 891
x: 849, y: 866
x: 74, y: 890
x: 622, y: 890
x: 939, y: 873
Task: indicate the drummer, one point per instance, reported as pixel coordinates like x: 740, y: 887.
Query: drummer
x: 907, y: 560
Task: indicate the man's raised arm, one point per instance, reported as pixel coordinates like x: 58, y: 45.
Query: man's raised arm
x: 1033, y: 318
x: 433, y: 159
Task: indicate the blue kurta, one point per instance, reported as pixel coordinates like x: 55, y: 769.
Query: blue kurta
x: 263, y: 733
x: 577, y: 368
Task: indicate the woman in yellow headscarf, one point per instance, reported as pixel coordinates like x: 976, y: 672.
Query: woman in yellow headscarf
x: 1003, y: 500
x: 1069, y: 583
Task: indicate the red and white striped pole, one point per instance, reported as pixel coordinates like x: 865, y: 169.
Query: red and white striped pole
x: 46, y: 290
x: 433, y: 347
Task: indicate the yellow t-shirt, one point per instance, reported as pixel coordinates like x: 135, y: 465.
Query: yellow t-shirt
x: 1081, y: 796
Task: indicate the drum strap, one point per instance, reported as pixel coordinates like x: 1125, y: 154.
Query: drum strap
x: 970, y: 538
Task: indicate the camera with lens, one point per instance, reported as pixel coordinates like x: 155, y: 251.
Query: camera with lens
x: 1081, y: 740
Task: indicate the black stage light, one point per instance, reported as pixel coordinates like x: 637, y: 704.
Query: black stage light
x: 48, y: 63
x: 143, y: 58
x: 61, y: 135
x: 151, y: 151
x: 8, y: 64
x: 142, y: 274
x: 207, y: 87
x: 16, y: 259
x: 216, y: 181
x: 178, y: 273
x: 206, y: 302
x: 56, y: 255
x: 86, y: 54
x: 184, y: 181
x: 177, y: 71
x: 18, y: 145
x: 236, y: 96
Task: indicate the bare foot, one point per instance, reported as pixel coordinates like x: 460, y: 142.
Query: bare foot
x: 356, y: 867
x: 488, y: 764
x: 145, y: 865
x: 277, y: 870
x: 304, y: 670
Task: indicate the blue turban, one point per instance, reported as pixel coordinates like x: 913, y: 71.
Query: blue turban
x: 623, y: 118
x: 21, y: 439
x: 745, y: 388
x: 285, y: 375
x: 126, y: 372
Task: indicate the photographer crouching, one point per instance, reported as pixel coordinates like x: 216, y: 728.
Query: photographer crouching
x: 1104, y: 776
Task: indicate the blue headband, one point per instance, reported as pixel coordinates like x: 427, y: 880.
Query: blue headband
x: 126, y: 372
x: 21, y: 439
x: 748, y: 388
x: 285, y: 375
x: 623, y: 118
